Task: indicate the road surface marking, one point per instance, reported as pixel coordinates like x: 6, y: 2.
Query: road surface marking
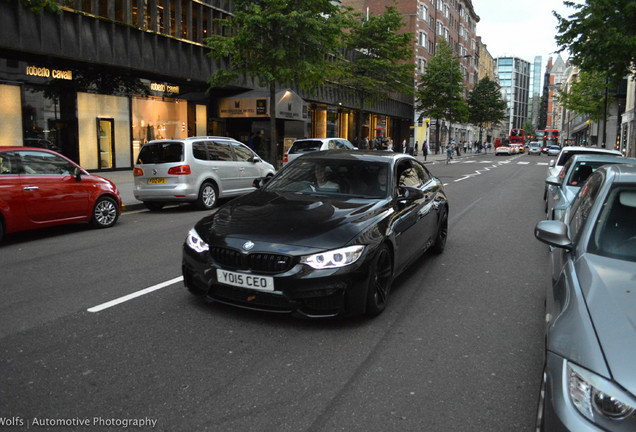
x: 125, y: 298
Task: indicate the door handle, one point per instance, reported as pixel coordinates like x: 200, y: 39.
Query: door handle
x: 30, y: 188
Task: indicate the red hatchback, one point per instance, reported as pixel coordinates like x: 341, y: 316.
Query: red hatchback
x: 40, y: 188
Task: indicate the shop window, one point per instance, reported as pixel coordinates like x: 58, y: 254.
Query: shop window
x: 185, y: 18
x: 87, y: 6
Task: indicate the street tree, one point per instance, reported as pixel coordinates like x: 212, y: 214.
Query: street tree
x: 441, y: 89
x: 379, y: 58
x: 601, y: 36
x: 38, y: 6
x: 486, y: 105
x: 277, y: 42
x: 586, y: 95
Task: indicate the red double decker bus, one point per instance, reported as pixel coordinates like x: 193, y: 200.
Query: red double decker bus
x: 550, y: 137
x: 517, y: 136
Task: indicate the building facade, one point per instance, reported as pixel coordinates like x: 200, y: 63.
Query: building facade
x: 514, y: 79
x: 534, y: 103
x: 100, y: 78
x: 430, y: 20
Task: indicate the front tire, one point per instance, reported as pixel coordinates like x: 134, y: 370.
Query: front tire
x: 208, y: 196
x: 442, y: 234
x: 380, y: 281
x: 105, y: 212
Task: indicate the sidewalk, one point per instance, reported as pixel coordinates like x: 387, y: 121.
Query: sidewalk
x: 125, y: 182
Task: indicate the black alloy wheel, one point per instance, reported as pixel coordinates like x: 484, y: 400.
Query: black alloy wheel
x: 380, y: 281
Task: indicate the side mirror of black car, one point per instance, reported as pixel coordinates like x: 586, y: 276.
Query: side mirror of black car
x: 406, y: 194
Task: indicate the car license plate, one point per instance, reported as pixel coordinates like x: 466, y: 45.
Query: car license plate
x: 261, y: 283
x: 157, y: 180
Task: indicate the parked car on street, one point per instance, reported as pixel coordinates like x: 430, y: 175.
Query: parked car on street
x: 589, y: 380
x: 555, y: 165
x: 534, y: 148
x: 326, y: 236
x: 198, y: 170
x: 41, y: 188
x: 308, y: 145
x: 563, y: 188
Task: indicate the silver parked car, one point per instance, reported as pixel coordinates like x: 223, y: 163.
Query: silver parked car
x: 563, y: 188
x: 307, y: 145
x: 196, y: 169
x: 589, y: 379
x: 555, y: 165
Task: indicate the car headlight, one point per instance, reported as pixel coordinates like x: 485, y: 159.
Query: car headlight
x: 195, y: 242
x: 333, y: 258
x: 595, y: 397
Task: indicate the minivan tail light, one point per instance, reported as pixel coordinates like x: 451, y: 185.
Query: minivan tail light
x: 138, y: 172
x: 285, y: 158
x: 180, y: 170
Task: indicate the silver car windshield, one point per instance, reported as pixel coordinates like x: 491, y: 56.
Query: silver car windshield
x: 614, y: 234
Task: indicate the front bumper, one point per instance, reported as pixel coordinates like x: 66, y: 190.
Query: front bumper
x: 301, y: 290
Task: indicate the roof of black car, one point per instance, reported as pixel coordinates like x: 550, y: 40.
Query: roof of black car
x: 356, y: 154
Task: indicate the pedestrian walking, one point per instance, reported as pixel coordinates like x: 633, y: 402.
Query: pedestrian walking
x: 424, y: 149
x: 465, y: 147
x: 415, y: 147
x: 366, y: 143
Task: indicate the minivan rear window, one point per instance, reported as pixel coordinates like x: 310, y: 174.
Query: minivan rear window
x: 305, y: 146
x: 161, y: 152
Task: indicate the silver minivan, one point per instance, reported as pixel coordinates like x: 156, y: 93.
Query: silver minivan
x: 196, y: 169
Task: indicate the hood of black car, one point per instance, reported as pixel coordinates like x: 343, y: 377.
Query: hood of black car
x: 609, y: 286
x: 310, y: 221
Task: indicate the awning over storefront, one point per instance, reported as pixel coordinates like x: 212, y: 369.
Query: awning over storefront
x: 255, y: 104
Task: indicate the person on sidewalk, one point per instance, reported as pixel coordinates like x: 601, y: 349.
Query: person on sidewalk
x: 424, y: 149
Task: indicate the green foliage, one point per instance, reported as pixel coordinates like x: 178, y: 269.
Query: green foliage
x: 38, y: 6
x: 440, y: 91
x: 485, y: 103
x: 278, y: 41
x: 381, y: 59
x: 586, y: 95
x: 528, y: 128
x: 601, y: 36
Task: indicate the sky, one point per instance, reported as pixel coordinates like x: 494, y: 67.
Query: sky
x: 520, y: 28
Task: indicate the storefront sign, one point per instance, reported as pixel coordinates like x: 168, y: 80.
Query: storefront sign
x: 44, y: 72
x: 164, y: 88
x: 289, y: 106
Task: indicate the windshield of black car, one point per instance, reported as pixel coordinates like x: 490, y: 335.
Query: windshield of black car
x: 614, y: 234
x: 345, y: 178
x: 160, y: 152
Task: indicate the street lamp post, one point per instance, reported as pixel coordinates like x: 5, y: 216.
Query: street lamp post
x: 450, y: 97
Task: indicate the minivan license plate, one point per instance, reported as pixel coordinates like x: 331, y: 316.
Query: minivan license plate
x: 157, y: 180
x: 261, y: 283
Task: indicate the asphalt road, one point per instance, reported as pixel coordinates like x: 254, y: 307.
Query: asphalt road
x: 459, y: 348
